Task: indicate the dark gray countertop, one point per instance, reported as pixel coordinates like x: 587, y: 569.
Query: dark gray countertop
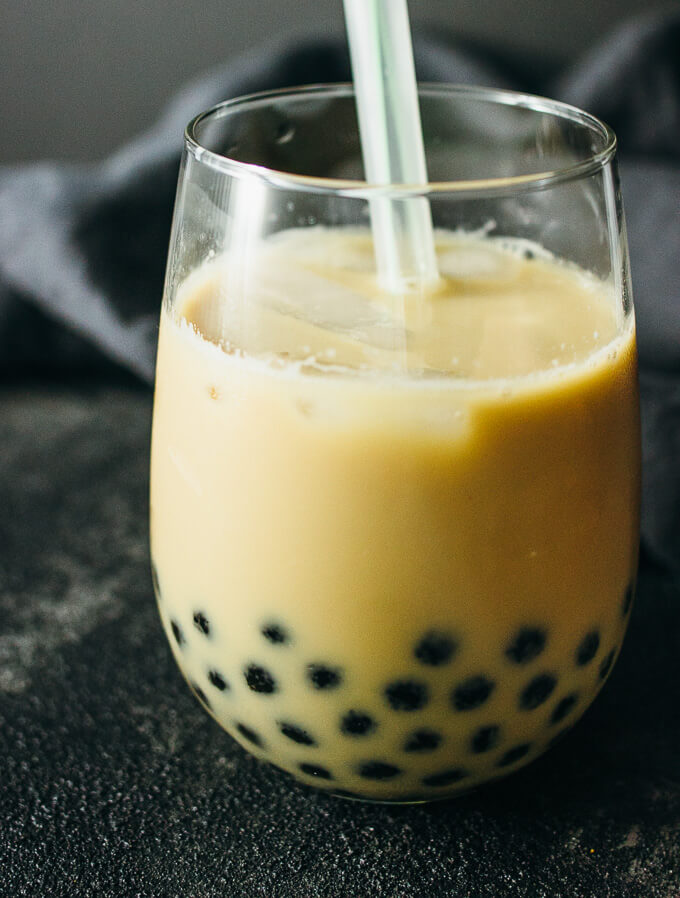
x: 114, y: 782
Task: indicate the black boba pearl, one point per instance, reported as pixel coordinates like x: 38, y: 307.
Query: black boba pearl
x: 472, y: 693
x: 316, y: 770
x: 484, y: 739
x: 200, y: 695
x: 423, y: 740
x: 249, y: 734
x: 378, y: 770
x: 202, y: 623
x: 296, y: 733
x: 563, y: 707
x: 218, y: 680
x: 177, y: 632
x: 276, y: 634
x: 155, y: 580
x: 435, y: 648
x: 406, y: 695
x: 529, y: 254
x: 445, y: 778
x: 259, y: 679
x: 627, y: 600
x: 357, y: 723
x: 537, y: 691
x: 527, y: 644
x: 588, y: 648
x: 514, y: 754
x: 606, y: 665
x: 321, y: 676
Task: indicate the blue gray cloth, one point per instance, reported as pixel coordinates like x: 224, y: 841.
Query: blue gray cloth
x: 83, y: 247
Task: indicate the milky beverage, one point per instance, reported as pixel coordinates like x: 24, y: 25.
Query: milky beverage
x: 394, y: 538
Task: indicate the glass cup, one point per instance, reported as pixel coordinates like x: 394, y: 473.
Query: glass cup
x: 395, y: 537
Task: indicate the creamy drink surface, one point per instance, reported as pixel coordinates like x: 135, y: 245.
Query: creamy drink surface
x: 394, y: 538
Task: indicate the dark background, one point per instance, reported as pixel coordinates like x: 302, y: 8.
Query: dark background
x: 81, y: 76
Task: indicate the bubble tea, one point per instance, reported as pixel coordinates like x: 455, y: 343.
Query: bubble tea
x: 394, y: 542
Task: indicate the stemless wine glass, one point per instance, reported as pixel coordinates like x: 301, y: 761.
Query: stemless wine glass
x: 395, y: 536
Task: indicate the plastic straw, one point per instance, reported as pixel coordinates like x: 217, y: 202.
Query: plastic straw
x: 391, y: 140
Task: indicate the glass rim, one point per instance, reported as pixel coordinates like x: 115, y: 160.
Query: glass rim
x: 362, y: 190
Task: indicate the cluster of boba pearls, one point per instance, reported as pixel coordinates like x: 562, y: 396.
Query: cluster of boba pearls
x: 538, y: 692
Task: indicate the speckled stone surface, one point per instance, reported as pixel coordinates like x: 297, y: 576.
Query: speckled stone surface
x: 115, y: 783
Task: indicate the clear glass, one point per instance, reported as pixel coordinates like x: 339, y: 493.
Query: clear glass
x: 395, y: 537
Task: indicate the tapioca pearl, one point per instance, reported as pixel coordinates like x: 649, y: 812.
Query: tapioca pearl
x: 250, y: 735
x: 316, y: 770
x: 472, y: 693
x: 357, y: 723
x: 436, y: 648
x: 537, y: 691
x: 445, y: 777
x: 177, y: 632
x: 422, y: 741
x: 564, y: 707
x: 200, y: 695
x: 406, y: 695
x: 587, y: 648
x: 606, y: 664
x: 514, y: 754
x: 627, y: 603
x: 526, y: 644
x: 296, y: 733
x: 275, y: 633
x: 202, y: 623
x: 378, y: 770
x: 218, y: 681
x: 484, y: 739
x: 259, y: 679
x: 323, y: 676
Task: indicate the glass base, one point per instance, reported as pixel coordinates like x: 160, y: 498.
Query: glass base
x: 397, y: 802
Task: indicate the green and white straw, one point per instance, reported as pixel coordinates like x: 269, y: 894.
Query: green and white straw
x: 391, y: 140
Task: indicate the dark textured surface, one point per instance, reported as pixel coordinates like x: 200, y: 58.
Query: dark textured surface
x: 115, y: 783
